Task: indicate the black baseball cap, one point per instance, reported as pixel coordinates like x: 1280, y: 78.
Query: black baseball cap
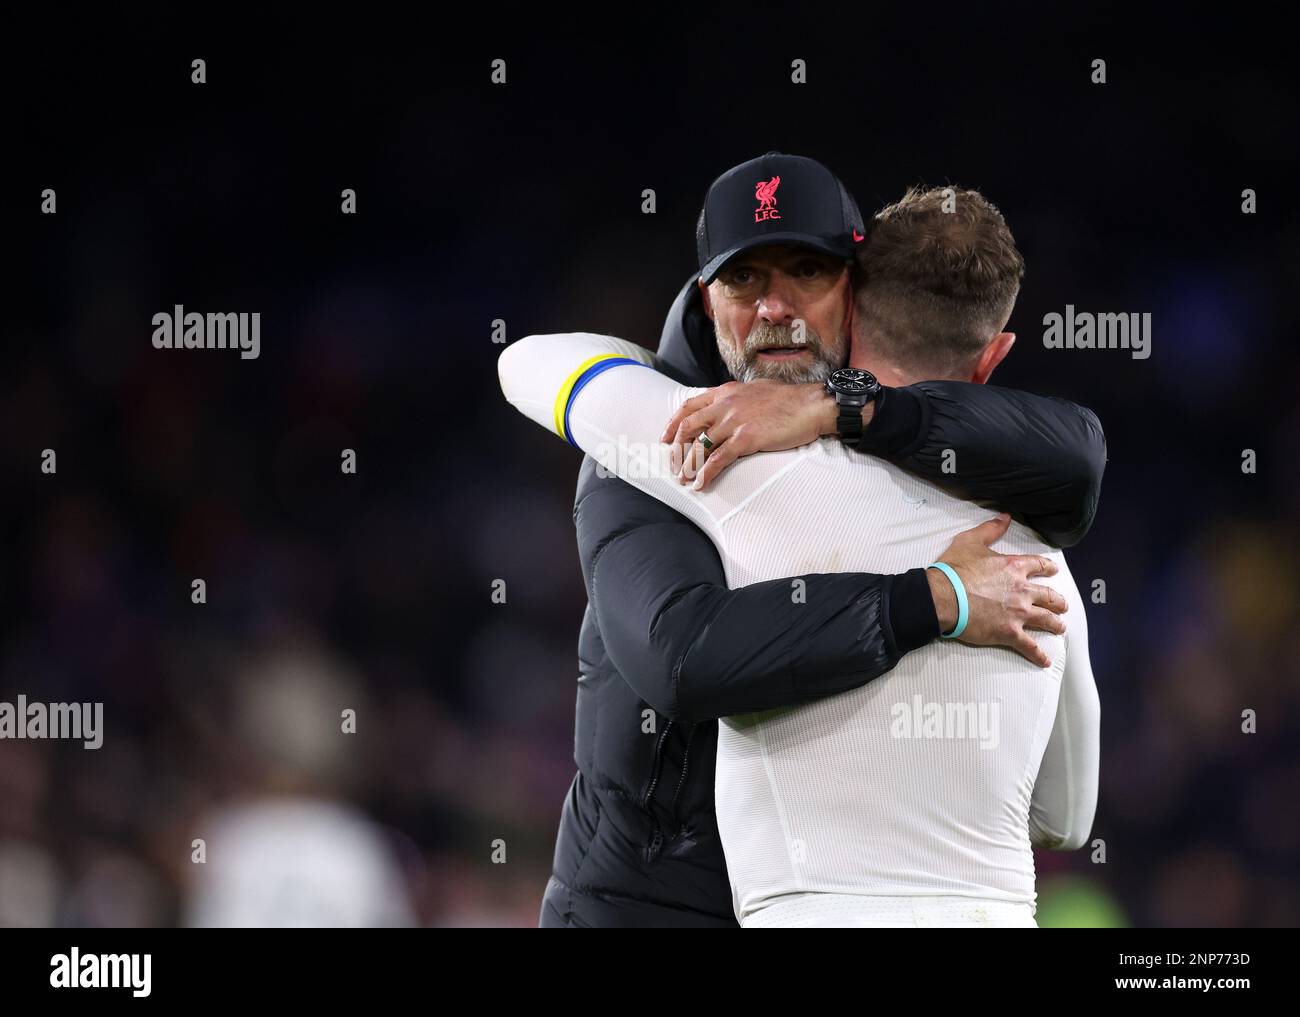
x: 775, y: 199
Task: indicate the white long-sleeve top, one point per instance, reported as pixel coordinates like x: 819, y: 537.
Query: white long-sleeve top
x: 934, y: 779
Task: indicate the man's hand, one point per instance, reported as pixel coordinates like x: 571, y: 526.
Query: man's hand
x: 740, y: 419
x: 1004, y: 605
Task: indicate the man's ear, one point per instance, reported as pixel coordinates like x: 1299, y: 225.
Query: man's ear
x: 999, y: 346
x: 704, y: 295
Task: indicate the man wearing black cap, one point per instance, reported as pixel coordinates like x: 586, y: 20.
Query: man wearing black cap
x: 799, y: 201
x: 666, y: 647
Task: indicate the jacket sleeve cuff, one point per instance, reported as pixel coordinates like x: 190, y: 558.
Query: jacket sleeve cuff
x: 912, y: 616
x: 897, y: 422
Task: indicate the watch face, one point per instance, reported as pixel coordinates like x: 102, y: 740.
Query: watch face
x: 851, y: 381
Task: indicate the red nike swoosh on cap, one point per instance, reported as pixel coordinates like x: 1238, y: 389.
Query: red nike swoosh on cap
x: 858, y: 237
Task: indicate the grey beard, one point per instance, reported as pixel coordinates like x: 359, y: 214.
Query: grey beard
x: 744, y: 365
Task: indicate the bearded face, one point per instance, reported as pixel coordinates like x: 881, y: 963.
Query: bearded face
x: 785, y: 353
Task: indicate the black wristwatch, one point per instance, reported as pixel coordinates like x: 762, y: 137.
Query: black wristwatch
x: 852, y: 390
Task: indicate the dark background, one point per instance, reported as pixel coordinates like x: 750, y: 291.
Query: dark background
x: 523, y: 202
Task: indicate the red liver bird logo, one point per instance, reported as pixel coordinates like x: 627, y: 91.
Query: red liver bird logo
x: 765, y: 192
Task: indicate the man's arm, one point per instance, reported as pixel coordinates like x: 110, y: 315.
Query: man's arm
x: 694, y: 649
x: 1065, y: 793
x: 1038, y: 457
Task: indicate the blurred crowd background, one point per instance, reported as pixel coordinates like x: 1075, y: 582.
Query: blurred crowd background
x: 328, y: 592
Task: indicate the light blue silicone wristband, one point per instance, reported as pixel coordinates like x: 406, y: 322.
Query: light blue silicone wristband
x: 963, y: 605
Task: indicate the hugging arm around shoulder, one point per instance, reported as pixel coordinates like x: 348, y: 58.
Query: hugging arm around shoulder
x: 1039, y: 458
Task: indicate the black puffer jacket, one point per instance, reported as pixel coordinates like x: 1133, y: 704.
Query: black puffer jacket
x: 666, y: 647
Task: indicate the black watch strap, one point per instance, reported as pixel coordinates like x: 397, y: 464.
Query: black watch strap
x: 849, y: 422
